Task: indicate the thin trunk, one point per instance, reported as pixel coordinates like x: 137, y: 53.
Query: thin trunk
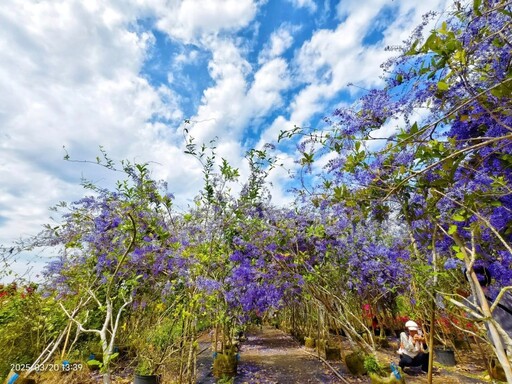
x: 432, y: 310
x: 104, y: 344
x: 190, y: 359
x: 48, y: 351
x: 183, y: 333
x: 485, y: 358
x: 341, y: 340
x: 431, y: 340
x: 318, y: 331
x: 66, y: 341
x: 499, y: 348
x: 216, y: 347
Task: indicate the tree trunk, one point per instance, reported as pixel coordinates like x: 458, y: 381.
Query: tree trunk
x: 499, y: 348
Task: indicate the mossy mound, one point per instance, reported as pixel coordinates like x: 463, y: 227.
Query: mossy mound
x: 332, y: 353
x: 320, y: 345
x: 224, y: 365
x: 391, y: 379
x: 355, y: 363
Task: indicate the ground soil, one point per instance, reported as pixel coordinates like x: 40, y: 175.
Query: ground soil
x: 270, y: 356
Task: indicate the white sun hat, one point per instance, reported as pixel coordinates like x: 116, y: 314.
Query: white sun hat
x: 411, y: 325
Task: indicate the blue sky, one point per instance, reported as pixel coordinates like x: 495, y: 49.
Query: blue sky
x: 126, y: 74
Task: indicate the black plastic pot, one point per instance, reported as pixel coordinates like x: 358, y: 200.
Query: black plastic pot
x: 445, y: 357
x: 146, y: 379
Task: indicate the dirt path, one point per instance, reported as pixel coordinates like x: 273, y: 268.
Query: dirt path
x: 204, y: 362
x: 270, y: 356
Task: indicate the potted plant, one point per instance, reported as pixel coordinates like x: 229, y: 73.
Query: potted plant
x: 355, y: 363
x: 225, y: 364
x: 154, y: 348
x: 320, y: 345
x: 309, y: 342
x: 145, y: 372
x: 444, y: 354
x: 332, y: 351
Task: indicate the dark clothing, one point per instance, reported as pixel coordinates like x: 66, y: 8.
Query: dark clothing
x: 408, y: 361
x: 503, y: 312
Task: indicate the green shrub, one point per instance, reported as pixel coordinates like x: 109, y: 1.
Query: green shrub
x: 28, y: 323
x: 371, y: 365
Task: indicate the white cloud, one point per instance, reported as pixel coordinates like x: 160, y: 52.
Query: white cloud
x: 309, y: 4
x: 279, y: 178
x: 186, y: 57
x: 280, y: 41
x: 189, y: 20
x: 269, y: 81
x: 331, y: 59
x: 70, y: 76
x: 271, y: 134
x: 234, y: 101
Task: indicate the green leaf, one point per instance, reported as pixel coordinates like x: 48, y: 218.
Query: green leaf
x: 414, y: 129
x: 457, y: 217
x: 442, y: 86
x: 413, y: 50
x: 431, y: 44
x: 460, y: 56
x: 476, y: 7
x: 503, y: 90
x: 339, y: 193
x: 444, y: 28
x: 113, y: 356
x: 307, y: 159
x: 94, y: 362
x: 452, y: 229
x: 459, y: 255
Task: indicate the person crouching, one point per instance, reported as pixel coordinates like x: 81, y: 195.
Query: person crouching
x: 413, y: 348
